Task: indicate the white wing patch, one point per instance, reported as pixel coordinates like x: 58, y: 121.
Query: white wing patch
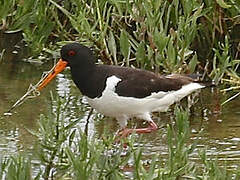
x: 111, y: 84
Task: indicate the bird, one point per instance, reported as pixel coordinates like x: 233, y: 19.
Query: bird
x: 122, y: 92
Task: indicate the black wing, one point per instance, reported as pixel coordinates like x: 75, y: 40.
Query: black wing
x: 140, y: 83
x: 134, y: 82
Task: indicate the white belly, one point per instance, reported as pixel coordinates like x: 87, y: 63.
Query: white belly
x: 110, y: 104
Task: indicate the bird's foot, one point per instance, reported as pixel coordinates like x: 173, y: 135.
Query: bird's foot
x: 126, y: 132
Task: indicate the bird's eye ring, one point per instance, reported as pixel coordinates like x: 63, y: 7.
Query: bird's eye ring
x: 71, y: 53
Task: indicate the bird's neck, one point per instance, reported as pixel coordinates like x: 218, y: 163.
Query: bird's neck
x: 82, y: 77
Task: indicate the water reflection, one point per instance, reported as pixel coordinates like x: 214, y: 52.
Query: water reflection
x: 9, y: 142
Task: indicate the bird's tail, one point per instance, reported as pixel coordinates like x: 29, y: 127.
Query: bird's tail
x: 198, y: 78
x: 208, y: 83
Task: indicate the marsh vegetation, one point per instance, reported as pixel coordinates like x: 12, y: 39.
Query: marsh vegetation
x: 162, y: 36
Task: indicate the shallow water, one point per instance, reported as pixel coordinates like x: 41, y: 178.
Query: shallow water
x: 219, y: 127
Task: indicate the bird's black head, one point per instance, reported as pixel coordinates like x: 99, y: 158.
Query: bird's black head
x: 77, y: 55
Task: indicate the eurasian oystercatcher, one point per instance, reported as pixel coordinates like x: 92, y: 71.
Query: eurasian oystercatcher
x: 122, y: 92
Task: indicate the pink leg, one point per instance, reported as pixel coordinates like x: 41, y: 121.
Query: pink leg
x: 152, y: 127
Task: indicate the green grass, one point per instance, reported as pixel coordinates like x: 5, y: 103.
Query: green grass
x: 63, y: 151
x: 168, y: 36
x: 164, y: 36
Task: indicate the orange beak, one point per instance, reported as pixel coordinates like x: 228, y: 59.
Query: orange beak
x: 59, y: 67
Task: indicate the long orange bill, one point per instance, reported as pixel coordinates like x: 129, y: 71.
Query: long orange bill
x: 59, y: 67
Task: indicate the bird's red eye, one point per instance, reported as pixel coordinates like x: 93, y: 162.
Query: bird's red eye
x: 71, y: 53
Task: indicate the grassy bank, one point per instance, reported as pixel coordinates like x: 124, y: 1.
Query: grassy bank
x: 165, y: 36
